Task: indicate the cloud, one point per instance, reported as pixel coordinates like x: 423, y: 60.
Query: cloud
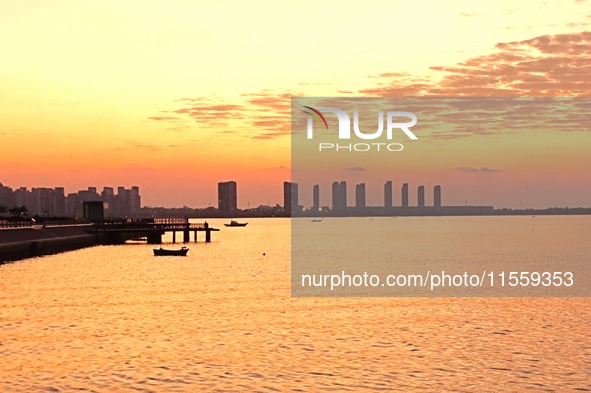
x: 267, y: 112
x: 548, y: 65
x: 543, y: 66
x: 207, y: 111
x: 484, y: 169
x: 163, y: 118
x: 315, y: 84
x: 390, y: 75
x: 271, y: 135
x: 214, y: 112
x: 270, y: 112
x: 355, y: 169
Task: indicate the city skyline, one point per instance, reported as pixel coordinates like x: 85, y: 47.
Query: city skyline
x: 43, y: 200
x: 54, y: 202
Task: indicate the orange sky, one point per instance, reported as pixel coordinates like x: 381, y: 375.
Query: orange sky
x: 177, y: 96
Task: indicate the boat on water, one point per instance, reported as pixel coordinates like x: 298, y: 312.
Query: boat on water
x: 316, y: 220
x: 162, y: 251
x: 236, y: 224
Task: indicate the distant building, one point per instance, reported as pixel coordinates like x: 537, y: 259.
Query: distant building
x: 135, y: 201
x: 227, y: 197
x: 41, y: 202
x: 126, y: 203
x: 404, y: 195
x: 316, y: 198
x: 93, y: 210
x: 22, y: 197
x: 339, y: 196
x: 89, y: 195
x: 59, y: 202
x: 46, y: 202
x: 110, y: 206
x: 290, y: 197
x: 437, y: 196
x: 74, y: 205
x: 388, y: 194
x: 360, y: 196
x: 421, y: 196
x: 53, y: 202
x: 6, y: 197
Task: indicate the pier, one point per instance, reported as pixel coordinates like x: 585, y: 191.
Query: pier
x: 118, y: 231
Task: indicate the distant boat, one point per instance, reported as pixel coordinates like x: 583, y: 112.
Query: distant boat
x: 236, y: 224
x: 162, y: 251
x: 316, y: 220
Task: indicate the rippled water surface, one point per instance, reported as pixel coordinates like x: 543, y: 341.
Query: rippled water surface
x: 116, y: 318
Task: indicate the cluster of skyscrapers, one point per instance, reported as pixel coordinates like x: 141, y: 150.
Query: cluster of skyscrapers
x: 339, y: 196
x: 227, y: 197
x: 53, y: 202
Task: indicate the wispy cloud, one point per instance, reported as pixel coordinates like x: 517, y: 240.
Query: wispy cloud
x: 355, y: 169
x: 483, y: 169
x: 270, y: 135
x: 163, y: 118
x: 548, y: 65
x: 544, y: 66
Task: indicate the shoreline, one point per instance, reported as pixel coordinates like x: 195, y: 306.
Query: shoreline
x: 23, y: 243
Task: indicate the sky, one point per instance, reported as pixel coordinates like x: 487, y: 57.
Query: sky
x: 176, y: 96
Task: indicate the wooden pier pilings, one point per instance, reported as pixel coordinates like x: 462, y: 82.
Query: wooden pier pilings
x: 118, y: 231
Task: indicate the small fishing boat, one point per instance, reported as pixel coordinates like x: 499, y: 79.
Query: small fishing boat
x: 162, y: 251
x: 236, y: 224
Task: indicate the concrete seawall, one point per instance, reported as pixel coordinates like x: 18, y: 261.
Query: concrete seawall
x: 16, y: 244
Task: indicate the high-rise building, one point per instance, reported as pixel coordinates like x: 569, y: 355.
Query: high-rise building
x: 121, y: 201
x: 108, y: 197
x: 421, y: 196
x: 227, y: 197
x: 388, y: 194
x: 335, y: 195
x: 42, y: 203
x: 22, y: 197
x: 360, y: 196
x: 74, y: 205
x: 135, y: 200
x: 90, y: 195
x: 290, y: 197
x: 316, y: 198
x: 59, y: 202
x: 6, y: 197
x: 405, y: 195
x: 339, y: 196
x: 437, y: 196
